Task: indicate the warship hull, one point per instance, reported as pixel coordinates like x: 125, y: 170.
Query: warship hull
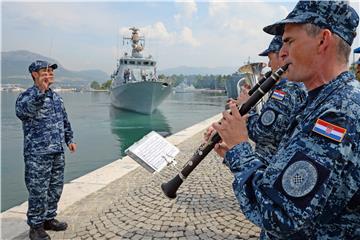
x: 142, y: 97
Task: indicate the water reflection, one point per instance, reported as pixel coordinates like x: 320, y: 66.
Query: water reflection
x: 198, y: 99
x: 129, y: 127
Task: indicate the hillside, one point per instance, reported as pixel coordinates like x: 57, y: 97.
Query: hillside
x: 14, y: 69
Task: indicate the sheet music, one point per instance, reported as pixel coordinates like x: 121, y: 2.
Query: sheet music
x: 153, y: 150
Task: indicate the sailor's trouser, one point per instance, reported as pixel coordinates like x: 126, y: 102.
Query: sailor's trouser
x: 44, y: 179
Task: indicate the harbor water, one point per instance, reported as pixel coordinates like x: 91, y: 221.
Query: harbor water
x: 101, y: 132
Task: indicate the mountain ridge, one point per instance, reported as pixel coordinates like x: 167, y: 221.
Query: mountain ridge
x: 14, y: 69
x: 14, y: 65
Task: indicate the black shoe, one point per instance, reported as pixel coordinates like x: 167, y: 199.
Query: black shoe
x: 38, y: 234
x: 55, y: 225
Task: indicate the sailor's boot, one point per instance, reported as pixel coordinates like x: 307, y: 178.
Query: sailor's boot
x: 55, y: 225
x: 38, y: 233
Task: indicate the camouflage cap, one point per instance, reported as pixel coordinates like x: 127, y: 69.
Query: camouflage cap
x: 40, y: 64
x: 274, y: 46
x: 337, y: 16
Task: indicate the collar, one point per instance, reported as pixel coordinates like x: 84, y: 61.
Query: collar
x: 325, y: 91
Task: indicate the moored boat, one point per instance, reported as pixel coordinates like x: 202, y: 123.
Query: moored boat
x: 135, y: 85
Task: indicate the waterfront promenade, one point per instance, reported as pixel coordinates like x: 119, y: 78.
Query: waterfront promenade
x: 124, y: 201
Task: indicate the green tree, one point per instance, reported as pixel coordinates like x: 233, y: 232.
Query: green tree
x: 106, y: 85
x: 95, y: 85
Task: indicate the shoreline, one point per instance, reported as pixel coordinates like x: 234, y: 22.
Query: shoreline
x: 13, y: 220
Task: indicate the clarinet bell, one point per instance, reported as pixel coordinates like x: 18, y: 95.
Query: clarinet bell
x: 169, y: 188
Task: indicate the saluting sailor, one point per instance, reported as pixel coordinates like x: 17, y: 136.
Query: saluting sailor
x: 46, y: 132
x: 311, y: 187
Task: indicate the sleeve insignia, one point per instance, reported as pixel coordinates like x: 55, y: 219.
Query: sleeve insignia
x: 268, y: 117
x: 329, y: 130
x: 278, y: 95
x: 301, y: 179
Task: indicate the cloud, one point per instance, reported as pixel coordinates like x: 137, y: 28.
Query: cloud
x: 216, y: 8
x: 187, y: 37
x: 158, y: 32
x: 284, y: 10
x: 63, y: 16
x: 224, y: 33
x: 245, y: 18
x: 186, y: 10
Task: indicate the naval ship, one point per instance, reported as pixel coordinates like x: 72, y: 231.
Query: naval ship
x: 135, y: 85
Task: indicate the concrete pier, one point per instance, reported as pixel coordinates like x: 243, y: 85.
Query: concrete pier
x: 123, y: 201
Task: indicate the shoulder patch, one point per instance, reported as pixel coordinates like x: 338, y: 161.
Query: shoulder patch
x: 268, y: 117
x: 329, y: 130
x: 278, y: 95
x: 301, y: 179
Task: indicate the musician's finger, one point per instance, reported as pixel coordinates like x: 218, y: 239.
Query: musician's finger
x: 246, y: 116
x: 234, y: 110
x: 219, y: 150
x: 226, y: 115
x: 208, y: 133
x: 216, y: 126
x: 229, y: 100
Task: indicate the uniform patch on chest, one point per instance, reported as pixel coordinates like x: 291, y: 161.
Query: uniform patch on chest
x: 278, y: 95
x: 329, y: 130
x: 268, y: 117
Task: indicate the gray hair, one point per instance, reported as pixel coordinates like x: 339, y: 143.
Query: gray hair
x: 343, y: 49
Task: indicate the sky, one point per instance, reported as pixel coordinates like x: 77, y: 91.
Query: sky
x: 84, y: 35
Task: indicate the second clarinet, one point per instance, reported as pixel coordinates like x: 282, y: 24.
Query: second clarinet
x: 170, y: 188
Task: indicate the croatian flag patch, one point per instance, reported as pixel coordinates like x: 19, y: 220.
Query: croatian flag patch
x: 329, y: 130
x: 279, y: 95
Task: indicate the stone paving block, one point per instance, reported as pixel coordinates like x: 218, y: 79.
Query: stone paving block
x: 134, y: 207
x: 109, y: 235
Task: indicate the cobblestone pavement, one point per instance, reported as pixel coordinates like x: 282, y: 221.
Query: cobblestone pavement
x: 134, y: 206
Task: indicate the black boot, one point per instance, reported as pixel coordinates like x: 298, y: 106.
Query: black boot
x: 38, y: 234
x: 55, y: 225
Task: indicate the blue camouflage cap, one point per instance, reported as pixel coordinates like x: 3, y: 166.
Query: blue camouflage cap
x: 337, y: 16
x: 40, y: 64
x: 274, y: 46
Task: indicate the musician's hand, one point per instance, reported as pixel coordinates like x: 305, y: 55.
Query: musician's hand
x: 233, y: 128
x: 243, y: 97
x: 207, y: 133
x: 221, y: 148
x: 231, y: 100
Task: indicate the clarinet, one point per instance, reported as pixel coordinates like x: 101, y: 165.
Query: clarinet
x: 258, y: 84
x: 169, y: 188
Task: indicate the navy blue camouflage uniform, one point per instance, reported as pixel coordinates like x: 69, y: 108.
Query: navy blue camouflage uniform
x: 311, y: 188
x: 286, y: 98
x: 46, y: 130
x: 268, y: 128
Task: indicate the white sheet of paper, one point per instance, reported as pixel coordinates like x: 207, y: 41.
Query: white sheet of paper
x: 154, y: 150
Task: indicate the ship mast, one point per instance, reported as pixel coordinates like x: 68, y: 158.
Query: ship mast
x: 138, y: 42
